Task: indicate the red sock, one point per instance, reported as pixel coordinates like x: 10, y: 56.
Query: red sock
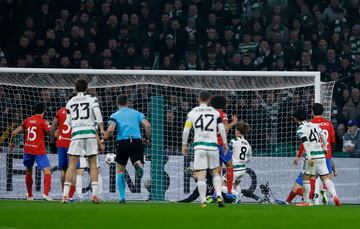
x: 29, y: 183
x: 291, y: 197
x: 324, y: 186
x: 229, y: 178
x: 47, y: 183
x: 312, y: 189
x: 72, y: 191
x: 299, y: 191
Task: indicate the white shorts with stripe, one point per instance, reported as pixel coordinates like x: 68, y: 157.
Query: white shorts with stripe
x: 83, y: 147
x: 206, y: 159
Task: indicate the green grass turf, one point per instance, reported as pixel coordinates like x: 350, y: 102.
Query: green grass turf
x: 37, y: 214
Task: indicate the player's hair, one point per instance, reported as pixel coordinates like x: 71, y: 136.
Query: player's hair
x: 81, y: 85
x: 318, y: 109
x: 204, y: 96
x: 218, y: 101
x: 243, y: 127
x: 39, y: 108
x: 122, y: 100
x: 300, y: 114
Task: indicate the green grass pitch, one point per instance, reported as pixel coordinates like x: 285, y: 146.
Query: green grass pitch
x: 37, y: 214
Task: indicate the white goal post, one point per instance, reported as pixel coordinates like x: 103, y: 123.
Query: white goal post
x: 264, y: 99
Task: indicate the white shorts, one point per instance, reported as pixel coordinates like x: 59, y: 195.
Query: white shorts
x: 84, y: 162
x: 206, y: 159
x: 238, y: 175
x: 319, y: 167
x: 83, y: 147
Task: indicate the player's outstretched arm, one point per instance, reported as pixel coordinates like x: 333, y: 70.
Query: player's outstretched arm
x: 147, y: 127
x: 13, y: 135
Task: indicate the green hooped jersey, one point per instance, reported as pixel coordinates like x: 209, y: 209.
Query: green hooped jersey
x: 204, y: 119
x: 312, y: 132
x: 83, y: 113
x: 241, y: 153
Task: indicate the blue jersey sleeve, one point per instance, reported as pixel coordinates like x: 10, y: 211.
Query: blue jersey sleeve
x: 141, y: 116
x: 112, y: 119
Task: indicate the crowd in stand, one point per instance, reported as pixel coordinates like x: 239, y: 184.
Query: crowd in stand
x: 261, y: 35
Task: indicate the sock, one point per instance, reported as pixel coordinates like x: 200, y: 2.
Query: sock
x: 66, y: 188
x: 201, y: 183
x: 47, y: 183
x: 100, y: 185
x: 312, y: 189
x: 330, y: 186
x: 299, y: 191
x: 29, y: 183
x: 79, y: 185
x: 94, y: 188
x: 229, y: 178
x: 71, y: 192
x: 318, y: 184
x: 291, y: 197
x: 120, y: 177
x: 217, y: 184
x: 306, y: 191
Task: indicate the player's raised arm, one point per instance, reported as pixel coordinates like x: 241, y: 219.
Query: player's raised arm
x: 185, y: 136
x: 13, y: 135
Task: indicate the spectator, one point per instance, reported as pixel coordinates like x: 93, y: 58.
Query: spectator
x: 351, y: 139
x: 351, y: 109
x: 339, y: 137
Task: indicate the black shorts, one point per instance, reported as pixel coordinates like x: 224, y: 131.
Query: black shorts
x: 133, y: 150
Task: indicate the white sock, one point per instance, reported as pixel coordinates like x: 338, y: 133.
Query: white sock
x: 318, y: 184
x: 330, y: 186
x: 79, y: 185
x: 306, y: 191
x: 94, y: 188
x: 100, y: 185
x: 217, y: 184
x: 201, y: 183
x: 66, y: 188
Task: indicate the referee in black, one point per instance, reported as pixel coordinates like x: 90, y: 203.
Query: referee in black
x: 128, y: 123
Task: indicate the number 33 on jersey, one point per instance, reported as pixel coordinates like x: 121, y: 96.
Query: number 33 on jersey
x: 83, y: 113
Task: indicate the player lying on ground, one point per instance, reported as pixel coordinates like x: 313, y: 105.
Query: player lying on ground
x: 206, y: 121
x: 127, y: 121
x: 241, y: 154
x: 315, y: 162
x: 219, y: 103
x: 34, y: 149
x: 83, y: 113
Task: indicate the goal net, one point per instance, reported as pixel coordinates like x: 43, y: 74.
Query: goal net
x: 265, y: 100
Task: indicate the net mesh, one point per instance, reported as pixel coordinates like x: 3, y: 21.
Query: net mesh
x: 266, y: 103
